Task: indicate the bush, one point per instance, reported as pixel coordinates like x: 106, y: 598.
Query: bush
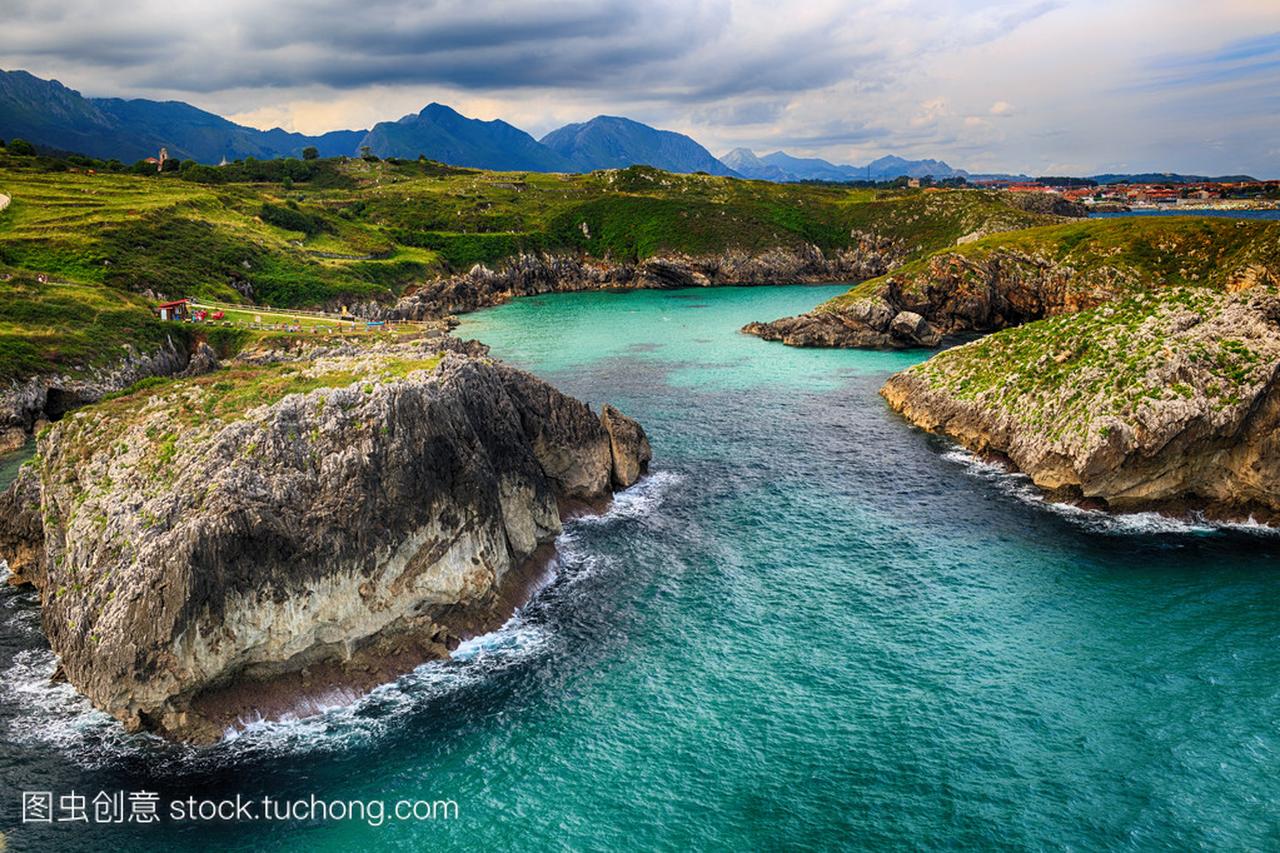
x: 21, y: 147
x: 291, y: 219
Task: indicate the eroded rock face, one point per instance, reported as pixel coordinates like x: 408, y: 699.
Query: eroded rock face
x: 630, y: 447
x: 21, y: 529
x: 951, y: 294
x: 871, y: 323
x: 1027, y: 276
x: 22, y: 404
x: 191, y: 562
x: 869, y: 255
x: 1164, y: 401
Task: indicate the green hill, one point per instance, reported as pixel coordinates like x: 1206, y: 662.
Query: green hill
x: 310, y: 233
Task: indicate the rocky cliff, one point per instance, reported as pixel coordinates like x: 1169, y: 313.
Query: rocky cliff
x: 1166, y: 401
x: 869, y: 255
x: 45, y: 397
x: 222, y: 546
x: 1009, y: 279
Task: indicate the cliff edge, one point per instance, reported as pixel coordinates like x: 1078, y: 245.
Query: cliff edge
x: 1162, y: 401
x: 228, y: 545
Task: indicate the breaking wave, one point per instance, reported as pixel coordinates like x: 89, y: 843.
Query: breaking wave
x: 56, y: 715
x: 1020, y: 486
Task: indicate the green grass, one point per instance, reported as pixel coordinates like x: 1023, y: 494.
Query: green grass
x: 357, y: 231
x: 1061, y: 374
x: 71, y: 328
x: 396, y: 223
x: 1110, y: 257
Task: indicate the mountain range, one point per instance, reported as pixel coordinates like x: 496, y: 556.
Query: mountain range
x: 58, y: 119
x: 610, y: 142
x: 780, y: 166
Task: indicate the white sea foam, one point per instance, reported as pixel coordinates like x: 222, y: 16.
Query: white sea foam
x: 56, y: 715
x: 638, y: 501
x: 1020, y: 486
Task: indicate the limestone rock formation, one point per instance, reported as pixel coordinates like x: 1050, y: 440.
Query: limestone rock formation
x: 871, y: 323
x: 21, y: 528
x: 1166, y: 401
x: 43, y: 396
x: 629, y: 445
x: 988, y: 284
x: 224, y: 545
x: 952, y: 293
x: 869, y: 255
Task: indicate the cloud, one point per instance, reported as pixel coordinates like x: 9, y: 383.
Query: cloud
x: 1109, y: 80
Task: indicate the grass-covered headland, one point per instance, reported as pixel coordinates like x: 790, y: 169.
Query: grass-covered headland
x: 86, y: 247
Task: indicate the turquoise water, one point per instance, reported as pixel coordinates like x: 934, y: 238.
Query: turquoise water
x: 812, y: 627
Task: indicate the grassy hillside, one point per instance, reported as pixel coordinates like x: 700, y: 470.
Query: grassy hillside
x: 1123, y: 255
x: 286, y: 233
x: 1138, y: 365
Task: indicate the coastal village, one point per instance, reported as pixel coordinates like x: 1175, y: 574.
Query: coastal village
x: 1235, y: 195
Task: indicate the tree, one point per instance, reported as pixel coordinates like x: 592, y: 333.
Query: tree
x: 286, y: 182
x: 1, y: 143
x: 21, y: 147
x: 170, y: 165
x: 310, y: 153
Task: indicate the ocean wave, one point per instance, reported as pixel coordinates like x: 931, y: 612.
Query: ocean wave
x: 636, y: 502
x: 344, y: 720
x: 21, y: 613
x: 57, y: 716
x: 1018, y: 485
x: 54, y: 714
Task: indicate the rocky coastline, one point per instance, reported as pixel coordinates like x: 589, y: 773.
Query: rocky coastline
x: 249, y: 541
x: 951, y: 293
x: 1011, y: 279
x: 1166, y: 402
x: 868, y: 255
x: 26, y: 405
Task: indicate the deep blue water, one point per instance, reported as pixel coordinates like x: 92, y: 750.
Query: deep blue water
x: 811, y: 627
x: 1230, y: 214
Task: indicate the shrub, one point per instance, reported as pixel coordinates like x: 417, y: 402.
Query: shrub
x: 21, y: 147
x: 291, y: 219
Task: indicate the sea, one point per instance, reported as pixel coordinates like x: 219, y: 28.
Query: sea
x: 810, y: 627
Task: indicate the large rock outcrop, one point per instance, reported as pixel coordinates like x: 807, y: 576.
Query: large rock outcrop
x: 867, y: 256
x: 1166, y: 401
x: 950, y: 293
x: 995, y: 282
x: 49, y: 396
x: 230, y: 545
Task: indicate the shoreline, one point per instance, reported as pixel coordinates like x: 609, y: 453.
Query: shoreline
x: 1224, y: 518
x: 312, y: 690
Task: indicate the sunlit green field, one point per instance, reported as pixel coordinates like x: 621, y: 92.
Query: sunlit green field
x: 370, y: 228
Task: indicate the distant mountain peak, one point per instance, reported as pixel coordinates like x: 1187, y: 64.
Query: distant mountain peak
x: 781, y: 166
x: 609, y: 142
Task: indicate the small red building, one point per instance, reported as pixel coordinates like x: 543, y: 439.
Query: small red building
x: 174, y: 310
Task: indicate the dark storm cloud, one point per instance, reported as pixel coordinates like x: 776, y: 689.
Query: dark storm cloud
x: 342, y: 45
x: 844, y: 79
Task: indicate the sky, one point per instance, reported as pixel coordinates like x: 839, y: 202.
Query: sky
x: 1034, y: 86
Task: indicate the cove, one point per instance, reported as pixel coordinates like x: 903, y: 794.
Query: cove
x: 812, y: 626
